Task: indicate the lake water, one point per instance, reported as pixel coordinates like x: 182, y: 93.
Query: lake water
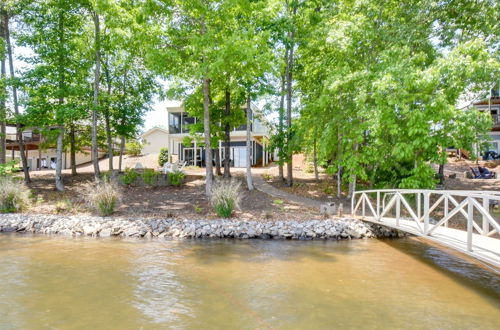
x: 68, y: 283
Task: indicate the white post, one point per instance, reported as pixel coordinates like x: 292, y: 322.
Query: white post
x: 363, y: 196
x: 398, y: 208
x: 263, y: 154
x: 486, y: 225
x: 446, y: 208
x: 195, y: 160
x: 220, y: 150
x: 419, y: 213
x: 426, y: 213
x: 470, y: 218
x: 378, y: 205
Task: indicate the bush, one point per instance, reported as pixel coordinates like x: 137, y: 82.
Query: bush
x: 63, y: 205
x: 225, y: 197
x: 309, y: 168
x: 149, y: 176
x: 176, y: 178
x: 134, y: 148
x: 14, y: 195
x: 103, y: 197
x: 8, y: 168
x: 163, y: 156
x: 129, y: 176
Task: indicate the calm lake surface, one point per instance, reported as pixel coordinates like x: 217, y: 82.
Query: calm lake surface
x: 68, y: 283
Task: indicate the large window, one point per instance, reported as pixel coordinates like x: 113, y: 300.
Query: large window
x: 186, y: 122
x: 174, y: 122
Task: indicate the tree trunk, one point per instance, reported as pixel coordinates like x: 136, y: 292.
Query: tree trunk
x: 340, y: 168
x: 281, y: 122
x: 3, y: 97
x: 227, y: 136
x: 97, y: 77
x: 122, y: 149
x: 289, y: 77
x: 206, y: 124
x: 60, y: 136
x: 249, y: 148
x: 19, y: 132
x: 109, y: 140
x: 59, y: 152
x: 441, y: 173
x: 72, y: 149
x: 315, y: 160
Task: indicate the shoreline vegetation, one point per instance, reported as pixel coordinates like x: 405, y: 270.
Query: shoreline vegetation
x: 93, y: 226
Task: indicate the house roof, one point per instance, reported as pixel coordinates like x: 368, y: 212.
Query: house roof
x: 494, y: 101
x: 151, y: 130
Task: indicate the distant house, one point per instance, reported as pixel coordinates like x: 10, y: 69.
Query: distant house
x: 492, y: 105
x: 41, y: 158
x: 194, y: 154
x: 154, y: 139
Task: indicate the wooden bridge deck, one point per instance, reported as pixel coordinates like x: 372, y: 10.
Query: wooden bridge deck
x: 485, y: 249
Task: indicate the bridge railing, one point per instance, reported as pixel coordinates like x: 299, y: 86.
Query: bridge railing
x: 430, y: 209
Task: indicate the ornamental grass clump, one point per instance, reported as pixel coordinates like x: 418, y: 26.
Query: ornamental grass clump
x: 103, y: 197
x: 226, y: 197
x: 14, y: 195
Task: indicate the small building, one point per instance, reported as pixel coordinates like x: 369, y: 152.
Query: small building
x: 178, y: 129
x: 154, y: 140
x: 492, y: 105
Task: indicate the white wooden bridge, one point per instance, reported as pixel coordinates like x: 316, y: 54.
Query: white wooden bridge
x: 432, y: 214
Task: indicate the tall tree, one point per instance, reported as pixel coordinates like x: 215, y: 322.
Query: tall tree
x: 6, y: 19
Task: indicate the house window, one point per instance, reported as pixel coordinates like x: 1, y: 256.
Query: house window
x: 243, y: 127
x: 186, y: 122
x: 174, y: 122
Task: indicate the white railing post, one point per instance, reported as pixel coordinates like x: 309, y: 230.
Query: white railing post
x: 486, y: 225
x: 426, y: 213
x: 378, y: 205
x: 353, y: 204
x: 398, y: 208
x: 363, y: 197
x: 446, y: 208
x: 470, y: 219
x: 419, y: 213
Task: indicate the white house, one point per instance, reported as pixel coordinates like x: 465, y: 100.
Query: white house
x: 154, y: 139
x: 492, y: 105
x: 193, y: 154
x: 39, y: 158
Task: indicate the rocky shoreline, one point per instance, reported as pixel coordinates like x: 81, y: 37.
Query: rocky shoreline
x: 336, y: 229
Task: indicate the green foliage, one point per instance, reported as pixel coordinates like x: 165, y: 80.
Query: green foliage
x: 176, y: 178
x: 198, y: 209
x: 103, y: 197
x: 129, y: 176
x: 225, y: 197
x: 267, y: 176
x: 14, y: 195
x: 134, y: 148
x: 149, y: 176
x: 8, y: 168
x: 163, y: 156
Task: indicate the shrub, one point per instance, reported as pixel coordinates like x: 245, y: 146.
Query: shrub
x: 309, y: 168
x: 267, y: 176
x: 14, y: 195
x: 163, y: 156
x: 225, y: 197
x: 149, y: 176
x: 176, y: 178
x: 129, y: 176
x: 8, y: 168
x: 63, y: 205
x: 134, y: 148
x: 103, y: 197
